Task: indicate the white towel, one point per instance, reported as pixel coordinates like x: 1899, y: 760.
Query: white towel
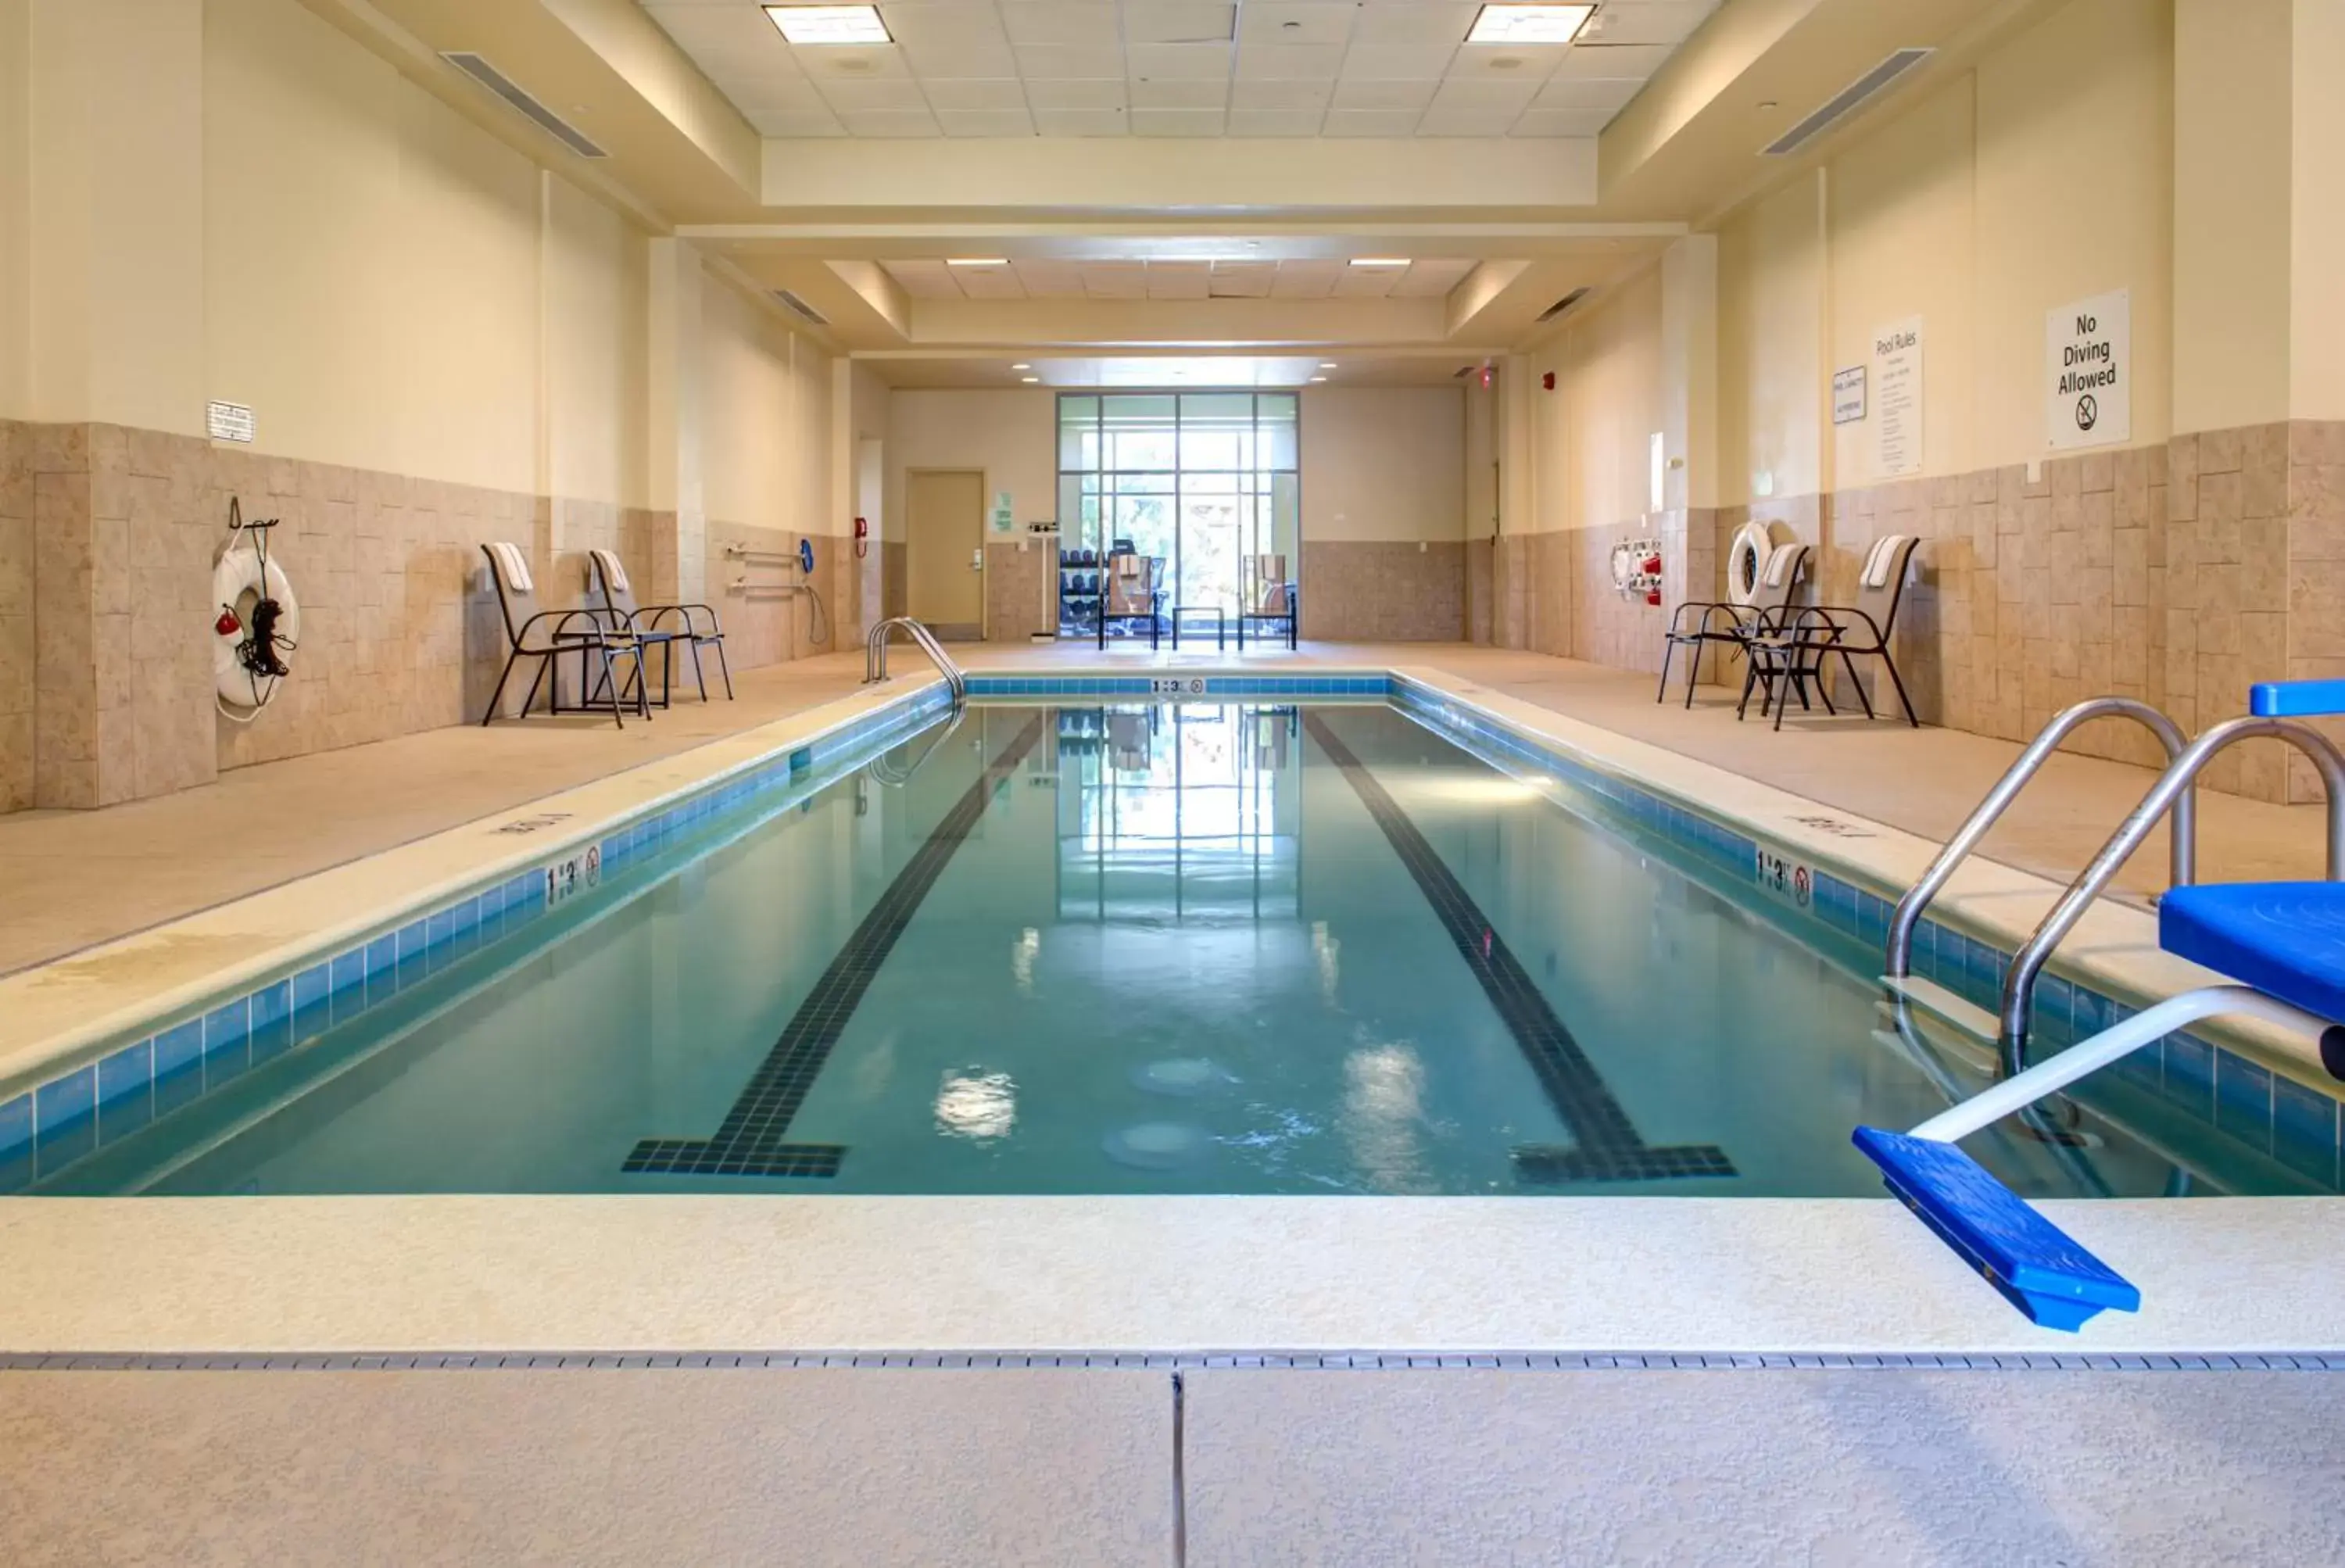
x: 613, y: 573
x: 515, y: 566
x: 1883, y: 556
x: 1779, y: 563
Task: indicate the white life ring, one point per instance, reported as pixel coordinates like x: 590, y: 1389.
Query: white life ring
x: 1746, y: 558
x: 240, y: 581
x: 1624, y: 565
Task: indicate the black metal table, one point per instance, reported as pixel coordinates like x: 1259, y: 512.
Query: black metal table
x: 1221, y: 623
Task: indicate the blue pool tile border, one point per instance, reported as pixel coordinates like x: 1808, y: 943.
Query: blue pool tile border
x: 59, y: 1121
x: 2238, y: 1099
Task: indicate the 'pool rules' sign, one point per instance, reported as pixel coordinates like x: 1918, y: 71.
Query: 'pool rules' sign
x: 1897, y: 398
x: 2088, y: 360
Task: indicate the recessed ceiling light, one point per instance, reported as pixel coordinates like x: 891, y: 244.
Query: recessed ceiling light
x: 1528, y: 24
x: 1379, y: 261
x: 1029, y: 381
x: 976, y: 262
x: 1021, y: 367
x: 1327, y: 364
x: 1317, y: 380
x: 831, y: 23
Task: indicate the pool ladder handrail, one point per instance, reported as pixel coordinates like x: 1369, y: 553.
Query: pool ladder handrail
x: 875, y: 654
x: 2171, y: 792
x: 2016, y: 777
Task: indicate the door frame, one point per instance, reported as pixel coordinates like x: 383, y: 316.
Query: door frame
x: 984, y: 496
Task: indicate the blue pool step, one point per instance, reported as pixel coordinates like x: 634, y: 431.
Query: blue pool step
x: 2038, y: 1266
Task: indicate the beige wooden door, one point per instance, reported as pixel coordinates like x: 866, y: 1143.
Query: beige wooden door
x: 944, y: 530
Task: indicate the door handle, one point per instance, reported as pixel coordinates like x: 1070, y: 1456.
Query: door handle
x: 977, y: 559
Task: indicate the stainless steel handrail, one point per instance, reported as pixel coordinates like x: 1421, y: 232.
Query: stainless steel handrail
x: 875, y: 654
x: 895, y: 777
x: 2006, y: 790
x: 2019, y: 980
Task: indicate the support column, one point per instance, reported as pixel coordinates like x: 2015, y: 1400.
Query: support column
x: 679, y: 514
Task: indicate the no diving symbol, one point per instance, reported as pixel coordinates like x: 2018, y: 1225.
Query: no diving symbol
x: 2088, y: 412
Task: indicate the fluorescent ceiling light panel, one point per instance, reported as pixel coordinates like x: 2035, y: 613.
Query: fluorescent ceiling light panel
x: 831, y: 23
x: 1379, y: 261
x: 977, y: 260
x: 1529, y: 23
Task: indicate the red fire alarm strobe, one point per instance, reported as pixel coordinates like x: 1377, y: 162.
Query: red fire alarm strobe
x: 1548, y: 381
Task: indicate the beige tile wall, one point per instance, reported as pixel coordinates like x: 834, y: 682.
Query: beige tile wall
x: 1481, y: 608
x: 16, y: 602
x: 1377, y: 591
x: 1624, y: 630
x: 1021, y: 587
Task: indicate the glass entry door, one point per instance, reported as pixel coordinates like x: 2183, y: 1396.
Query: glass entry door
x: 1206, y: 483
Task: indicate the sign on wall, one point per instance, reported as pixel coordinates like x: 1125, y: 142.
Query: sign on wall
x: 2088, y: 365
x: 1848, y: 395
x: 228, y: 421
x: 1005, y: 513
x: 1897, y: 381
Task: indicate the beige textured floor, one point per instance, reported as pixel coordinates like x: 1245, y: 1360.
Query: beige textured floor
x: 75, y: 879
x: 1357, y: 1469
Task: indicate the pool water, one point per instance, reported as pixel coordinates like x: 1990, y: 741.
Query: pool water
x: 1195, y: 947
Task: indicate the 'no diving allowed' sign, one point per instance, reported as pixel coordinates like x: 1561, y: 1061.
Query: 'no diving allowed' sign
x: 2089, y: 359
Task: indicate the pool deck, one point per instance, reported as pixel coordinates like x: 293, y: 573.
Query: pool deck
x: 77, y: 878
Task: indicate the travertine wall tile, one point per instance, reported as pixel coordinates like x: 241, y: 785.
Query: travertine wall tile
x: 1382, y: 591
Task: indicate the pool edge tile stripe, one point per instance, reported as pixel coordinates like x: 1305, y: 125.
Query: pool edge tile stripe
x: 751, y: 1139
x: 1607, y: 1146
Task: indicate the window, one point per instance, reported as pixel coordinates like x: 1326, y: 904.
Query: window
x: 1205, y: 482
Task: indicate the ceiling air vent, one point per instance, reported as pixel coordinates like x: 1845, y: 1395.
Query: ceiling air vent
x: 505, y: 88
x: 1844, y: 101
x: 791, y: 302
x: 1566, y: 303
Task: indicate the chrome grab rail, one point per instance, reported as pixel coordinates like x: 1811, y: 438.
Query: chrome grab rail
x: 875, y: 654
x: 2006, y: 790
x: 2019, y: 980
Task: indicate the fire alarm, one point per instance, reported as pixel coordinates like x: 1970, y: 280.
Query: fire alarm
x: 1548, y: 381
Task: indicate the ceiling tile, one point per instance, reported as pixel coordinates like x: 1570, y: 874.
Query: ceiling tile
x: 1370, y: 122
x: 985, y: 122
x: 1607, y: 93
x: 1441, y: 122
x: 1306, y: 279
x: 1297, y: 21
x: 1638, y: 60
x: 1180, y: 94
x: 858, y: 63
x: 711, y: 33
x: 1562, y: 122
x: 965, y: 96
x: 989, y: 282
x: 1414, y: 22
x: 890, y: 123
x: 1178, y: 62
x: 1653, y: 22
x: 1514, y: 61
x: 1179, y: 279
x: 1399, y: 62
x: 1287, y: 97
x: 1429, y: 280
x: 1115, y: 280
x: 1290, y: 62
x: 1275, y: 122
x: 1176, y: 122
x: 1179, y: 21
x: 923, y: 279
x: 1050, y: 280
x: 891, y: 94
x: 1059, y: 22
x: 1482, y: 95
x: 1094, y: 95
x: 1080, y: 122
x: 1069, y: 62
x: 1366, y: 282
x: 800, y: 97
x: 959, y: 56
x: 1243, y: 279
x: 787, y: 124
x: 1411, y: 95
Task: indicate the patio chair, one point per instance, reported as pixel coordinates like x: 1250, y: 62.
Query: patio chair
x: 1729, y: 621
x: 546, y: 635
x: 2277, y: 940
x: 1130, y: 592
x: 693, y: 625
x: 1270, y: 596
x: 1796, y: 643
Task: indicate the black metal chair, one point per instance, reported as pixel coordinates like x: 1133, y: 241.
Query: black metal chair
x: 669, y: 624
x: 1800, y: 642
x: 1131, y: 589
x: 1280, y: 605
x: 1732, y: 622
x: 546, y: 635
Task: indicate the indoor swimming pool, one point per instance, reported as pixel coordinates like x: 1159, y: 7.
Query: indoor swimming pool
x: 1084, y: 945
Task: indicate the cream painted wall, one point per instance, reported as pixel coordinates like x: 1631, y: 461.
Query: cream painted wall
x: 1384, y: 463
x: 764, y: 417
x: 595, y: 301
x: 1591, y: 447
x: 1012, y: 435
x: 2317, y: 371
x: 2042, y: 175
x: 15, y: 223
